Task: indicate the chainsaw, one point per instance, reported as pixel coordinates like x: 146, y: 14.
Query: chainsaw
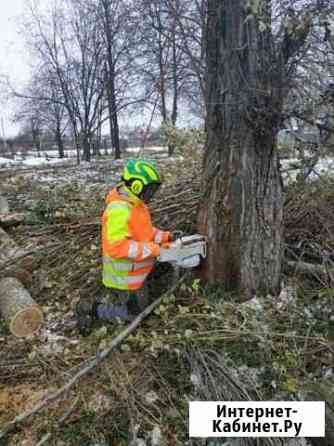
x: 185, y: 252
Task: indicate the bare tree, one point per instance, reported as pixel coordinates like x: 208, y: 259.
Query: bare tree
x: 189, y: 24
x: 68, y: 43
x: 120, y: 34
x: 157, y: 52
x: 44, y: 94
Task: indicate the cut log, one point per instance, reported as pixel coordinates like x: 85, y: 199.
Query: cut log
x: 11, y: 219
x: 4, y: 206
x: 23, y: 316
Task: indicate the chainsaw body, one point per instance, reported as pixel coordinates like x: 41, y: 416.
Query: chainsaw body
x: 186, y: 252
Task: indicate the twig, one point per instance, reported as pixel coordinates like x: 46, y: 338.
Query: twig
x: 44, y: 439
x: 62, y: 420
x: 309, y: 269
x: 91, y: 364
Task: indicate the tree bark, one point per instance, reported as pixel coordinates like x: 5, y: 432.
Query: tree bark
x: 175, y: 81
x: 112, y: 110
x: 86, y: 154
x: 111, y: 79
x: 60, y: 144
x: 171, y: 147
x: 241, y: 209
x: 19, y: 310
x: 77, y: 146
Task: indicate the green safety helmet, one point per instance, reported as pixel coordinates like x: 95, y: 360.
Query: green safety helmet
x: 141, y: 170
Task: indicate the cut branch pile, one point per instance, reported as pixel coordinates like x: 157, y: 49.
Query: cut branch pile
x: 309, y: 231
x: 70, y: 251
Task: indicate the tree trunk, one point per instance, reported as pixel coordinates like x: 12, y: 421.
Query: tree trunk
x: 36, y: 141
x: 19, y: 310
x: 76, y: 140
x: 60, y: 144
x: 241, y: 209
x: 105, y: 146
x: 171, y: 147
x: 111, y: 79
x: 113, y: 118
x: 175, y: 78
x: 115, y: 129
x: 86, y: 153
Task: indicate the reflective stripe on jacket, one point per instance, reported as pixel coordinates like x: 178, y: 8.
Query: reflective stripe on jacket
x: 130, y: 243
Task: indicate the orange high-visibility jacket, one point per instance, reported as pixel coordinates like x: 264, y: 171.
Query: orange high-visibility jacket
x: 129, y: 241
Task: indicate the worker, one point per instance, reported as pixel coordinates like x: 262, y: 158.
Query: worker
x: 130, y: 245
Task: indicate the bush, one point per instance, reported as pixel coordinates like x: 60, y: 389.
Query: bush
x: 187, y: 142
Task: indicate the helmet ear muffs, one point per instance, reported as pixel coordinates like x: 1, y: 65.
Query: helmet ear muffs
x: 137, y: 187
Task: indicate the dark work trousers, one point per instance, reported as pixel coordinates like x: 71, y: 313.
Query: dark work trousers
x: 129, y: 305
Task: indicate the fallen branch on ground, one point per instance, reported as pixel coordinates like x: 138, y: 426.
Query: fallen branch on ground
x: 87, y: 367
x: 62, y: 420
x: 309, y: 269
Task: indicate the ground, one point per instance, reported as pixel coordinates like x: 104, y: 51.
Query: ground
x: 281, y: 348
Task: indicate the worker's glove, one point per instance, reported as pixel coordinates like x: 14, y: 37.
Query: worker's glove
x: 175, y: 235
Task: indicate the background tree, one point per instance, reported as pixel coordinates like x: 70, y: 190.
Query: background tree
x: 67, y: 43
x: 166, y: 69
x: 191, y: 16
x: 43, y: 97
x: 121, y: 33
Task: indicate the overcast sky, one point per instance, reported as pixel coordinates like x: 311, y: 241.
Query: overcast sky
x: 14, y: 61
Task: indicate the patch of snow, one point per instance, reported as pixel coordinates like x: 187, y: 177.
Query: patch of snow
x: 324, y: 166
x: 4, y: 162
x: 328, y: 372
x: 254, y: 304
x: 195, y: 380
x: 32, y: 162
x: 146, y: 149
x: 287, y: 296
x: 151, y: 397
